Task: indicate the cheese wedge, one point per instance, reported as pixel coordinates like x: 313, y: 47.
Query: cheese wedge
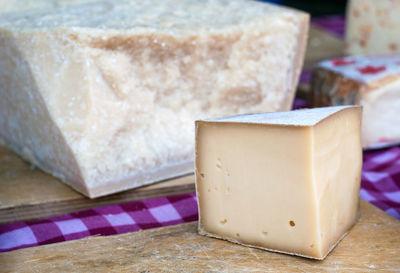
x: 104, y: 95
x: 286, y: 182
x: 371, y: 81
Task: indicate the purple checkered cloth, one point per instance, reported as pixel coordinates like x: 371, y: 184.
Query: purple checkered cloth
x: 380, y: 185
x: 108, y: 220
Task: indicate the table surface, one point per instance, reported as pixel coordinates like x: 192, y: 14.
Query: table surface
x: 380, y: 186
x: 371, y: 245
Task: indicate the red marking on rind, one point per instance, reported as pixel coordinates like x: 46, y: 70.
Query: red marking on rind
x: 342, y: 62
x: 369, y: 69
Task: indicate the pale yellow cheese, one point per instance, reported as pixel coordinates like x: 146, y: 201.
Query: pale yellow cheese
x: 372, y: 27
x: 104, y: 95
x: 287, y: 182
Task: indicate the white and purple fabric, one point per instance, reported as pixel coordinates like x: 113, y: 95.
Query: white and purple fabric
x: 108, y: 220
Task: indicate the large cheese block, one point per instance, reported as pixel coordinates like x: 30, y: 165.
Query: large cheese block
x: 104, y: 95
x: 286, y: 181
x: 373, y: 82
x: 372, y: 27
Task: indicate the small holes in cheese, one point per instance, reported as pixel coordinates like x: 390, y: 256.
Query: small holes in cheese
x: 219, y: 163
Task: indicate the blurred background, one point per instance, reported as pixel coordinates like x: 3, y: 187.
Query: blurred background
x: 315, y: 8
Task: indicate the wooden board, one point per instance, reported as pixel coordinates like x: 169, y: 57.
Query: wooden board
x: 322, y: 45
x: 27, y: 193
x: 372, y: 245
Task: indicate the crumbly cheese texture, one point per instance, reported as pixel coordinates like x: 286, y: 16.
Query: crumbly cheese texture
x: 104, y: 95
x: 371, y: 81
x: 373, y: 27
x: 290, y: 187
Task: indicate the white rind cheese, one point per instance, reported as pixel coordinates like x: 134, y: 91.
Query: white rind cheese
x: 104, y: 95
x: 286, y: 182
x: 371, y: 81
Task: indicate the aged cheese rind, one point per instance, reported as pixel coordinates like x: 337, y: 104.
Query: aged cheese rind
x: 371, y: 81
x: 256, y: 175
x: 112, y: 96
x: 372, y: 27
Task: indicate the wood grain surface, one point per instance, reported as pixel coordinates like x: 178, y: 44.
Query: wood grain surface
x: 27, y: 193
x: 372, y: 245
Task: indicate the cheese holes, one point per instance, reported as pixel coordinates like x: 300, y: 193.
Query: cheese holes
x: 219, y: 163
x: 291, y: 223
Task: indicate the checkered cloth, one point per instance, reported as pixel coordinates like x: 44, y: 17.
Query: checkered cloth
x: 380, y: 185
x: 108, y: 220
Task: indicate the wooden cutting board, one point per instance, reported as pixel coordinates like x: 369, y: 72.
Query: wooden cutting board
x: 372, y: 245
x: 26, y: 193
